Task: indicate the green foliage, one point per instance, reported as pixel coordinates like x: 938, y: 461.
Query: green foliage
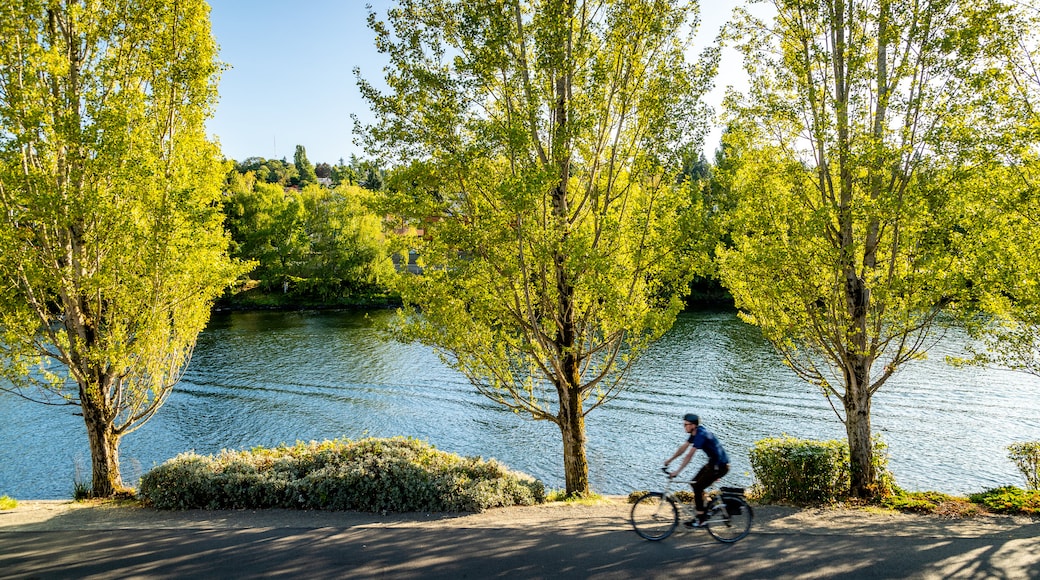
x: 1003, y: 260
x: 1009, y: 500
x: 918, y: 502
x: 304, y: 167
x: 374, y: 475
x: 930, y: 502
x: 1002, y: 263
x: 849, y: 183
x: 273, y: 171
x: 111, y: 245
x: 801, y: 471
x: 313, y: 245
x: 363, y: 172
x: 559, y: 495
x: 807, y: 472
x: 1026, y: 457
x: 7, y: 503
x: 299, y: 173
x: 537, y: 144
x: 684, y: 495
x: 80, y: 490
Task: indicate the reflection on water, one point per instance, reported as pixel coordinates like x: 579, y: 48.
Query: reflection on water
x: 270, y: 378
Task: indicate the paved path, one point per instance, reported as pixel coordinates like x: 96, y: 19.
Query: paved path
x: 65, y: 540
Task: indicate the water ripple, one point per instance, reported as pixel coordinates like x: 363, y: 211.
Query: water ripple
x: 271, y: 378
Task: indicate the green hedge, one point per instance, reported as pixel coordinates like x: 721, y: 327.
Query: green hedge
x: 804, y: 471
x: 375, y: 475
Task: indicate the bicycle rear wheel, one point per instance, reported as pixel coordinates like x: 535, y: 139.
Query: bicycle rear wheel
x: 654, y: 516
x: 729, y: 519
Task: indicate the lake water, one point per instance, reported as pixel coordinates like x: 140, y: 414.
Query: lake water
x: 269, y: 378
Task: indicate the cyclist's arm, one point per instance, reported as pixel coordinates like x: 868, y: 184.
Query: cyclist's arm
x: 678, y: 452
x: 685, y: 461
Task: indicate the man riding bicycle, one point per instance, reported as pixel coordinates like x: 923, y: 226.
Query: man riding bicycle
x: 716, y: 467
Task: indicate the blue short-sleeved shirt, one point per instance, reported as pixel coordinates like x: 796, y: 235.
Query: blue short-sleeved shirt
x: 705, y: 441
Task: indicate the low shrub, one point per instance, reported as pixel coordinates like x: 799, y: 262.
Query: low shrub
x: 7, y: 503
x: 1009, y: 500
x: 1026, y: 457
x: 376, y: 475
x: 683, y: 495
x: 808, y: 472
x: 800, y: 471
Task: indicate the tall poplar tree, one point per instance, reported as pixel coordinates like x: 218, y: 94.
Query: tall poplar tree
x: 863, y: 123
x: 111, y: 242
x: 537, y: 145
x: 304, y: 167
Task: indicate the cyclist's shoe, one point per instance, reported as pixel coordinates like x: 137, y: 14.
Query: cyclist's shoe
x: 697, y: 522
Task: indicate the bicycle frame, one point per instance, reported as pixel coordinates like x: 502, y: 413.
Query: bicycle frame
x: 655, y: 515
x: 687, y: 508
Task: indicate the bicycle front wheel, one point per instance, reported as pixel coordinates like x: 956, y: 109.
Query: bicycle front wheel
x: 654, y: 516
x: 730, y: 519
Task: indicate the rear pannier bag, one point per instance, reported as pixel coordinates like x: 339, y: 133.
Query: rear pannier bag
x: 734, y: 507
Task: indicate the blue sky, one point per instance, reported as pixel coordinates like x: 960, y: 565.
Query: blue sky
x: 290, y: 79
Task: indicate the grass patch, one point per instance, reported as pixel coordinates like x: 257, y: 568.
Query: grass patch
x: 559, y: 495
x: 7, y: 503
x: 877, y: 509
x: 1009, y: 500
x: 931, y: 502
x: 1005, y: 500
x: 81, y: 492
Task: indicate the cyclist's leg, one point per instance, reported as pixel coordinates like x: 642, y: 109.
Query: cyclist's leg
x: 721, y: 471
x: 704, y: 478
x: 708, y: 475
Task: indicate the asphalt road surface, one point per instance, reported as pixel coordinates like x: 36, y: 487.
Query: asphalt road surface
x: 64, y: 540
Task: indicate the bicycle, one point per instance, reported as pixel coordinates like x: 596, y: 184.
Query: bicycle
x: 655, y: 515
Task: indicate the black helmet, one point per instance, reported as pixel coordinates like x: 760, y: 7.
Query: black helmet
x: 690, y: 417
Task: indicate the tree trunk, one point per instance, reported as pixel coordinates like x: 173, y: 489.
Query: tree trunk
x: 571, y: 417
x: 857, y: 428
x: 104, y: 450
x: 572, y: 428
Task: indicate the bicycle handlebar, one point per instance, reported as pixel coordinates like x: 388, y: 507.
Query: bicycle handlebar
x: 671, y: 477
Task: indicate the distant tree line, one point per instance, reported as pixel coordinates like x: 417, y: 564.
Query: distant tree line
x: 316, y: 237
x: 310, y: 242
x: 301, y: 172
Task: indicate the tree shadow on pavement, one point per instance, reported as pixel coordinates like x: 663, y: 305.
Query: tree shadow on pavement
x: 598, y: 550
